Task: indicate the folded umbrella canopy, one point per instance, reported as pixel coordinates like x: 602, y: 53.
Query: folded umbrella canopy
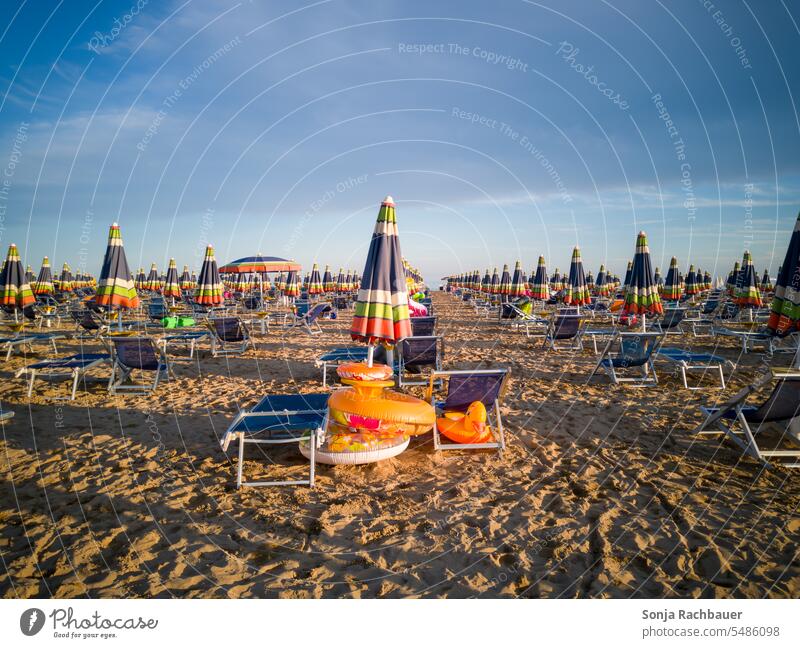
x: 292, y: 286
x: 29, y: 276
x: 672, y: 285
x: 706, y: 280
x: 733, y: 279
x: 657, y: 278
x: 692, y: 285
x: 315, y: 286
x: 209, y: 285
x: 555, y: 281
x: 141, y: 280
x: 494, y: 284
x: 486, y: 282
x: 115, y: 287
x: 540, y: 286
x: 328, y: 284
x: 577, y: 290
x: 381, y: 309
x: 341, y: 285
x: 590, y: 281
x: 641, y: 293
x: 504, y: 288
x: 15, y: 292
x: 65, y: 280
x: 185, y: 279
x: 766, y: 282
x: 172, y: 286
x: 628, y: 272
x: 785, y: 309
x: 747, y: 292
x: 518, y: 287
x: 44, y: 282
x: 601, y: 285
x: 153, y: 281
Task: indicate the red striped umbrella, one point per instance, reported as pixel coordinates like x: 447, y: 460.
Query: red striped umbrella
x: 14, y: 290
x: 115, y: 287
x: 172, y: 286
x: 44, y: 282
x: 209, y: 285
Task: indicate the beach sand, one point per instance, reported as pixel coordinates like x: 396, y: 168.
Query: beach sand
x: 602, y: 492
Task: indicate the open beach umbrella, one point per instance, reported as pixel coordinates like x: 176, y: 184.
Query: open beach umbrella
x: 518, y: 287
x: 15, y: 292
x: 44, y: 282
x: 315, y: 282
x: 209, y: 285
x: 628, y: 272
x: 692, y: 285
x: 784, y: 314
x: 766, y: 282
x: 65, y: 280
x: 185, y: 279
x: 494, y: 284
x: 577, y: 290
x: 172, y: 286
x: 540, y: 286
x: 292, y: 285
x: 381, y: 309
x: 115, y: 288
x: 328, y: 284
x: 747, y: 292
x: 641, y: 293
x: 504, y: 288
x: 153, y: 281
x: 671, y: 290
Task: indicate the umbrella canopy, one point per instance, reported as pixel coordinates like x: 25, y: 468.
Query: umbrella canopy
x: 555, y: 281
x: 540, y: 286
x: 341, y: 286
x: 44, y: 282
x: 381, y: 310
x: 747, y: 292
x: 172, y: 286
x: 315, y: 286
x: 14, y: 290
x: 141, y: 279
x: 328, y: 284
x: 291, y: 286
x: 577, y: 290
x: 657, y: 278
x: 692, y: 284
x: 733, y: 279
x: 504, y: 288
x: 628, y: 272
x: 641, y: 293
x: 65, y: 280
x: 518, y: 287
x: 672, y: 285
x: 494, y: 283
x: 29, y: 276
x: 259, y: 264
x: 602, y: 285
x: 590, y: 281
x: 153, y: 281
x: 766, y: 282
x: 785, y: 309
x: 706, y: 280
x: 209, y: 285
x: 185, y: 279
x: 486, y: 282
x: 348, y: 282
x: 115, y: 287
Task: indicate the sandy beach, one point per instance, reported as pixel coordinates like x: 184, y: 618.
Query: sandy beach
x: 602, y: 492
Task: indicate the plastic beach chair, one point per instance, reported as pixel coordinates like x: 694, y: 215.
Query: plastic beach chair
x: 339, y: 355
x: 416, y: 353
x: 10, y: 344
x: 564, y: 331
x: 74, y: 366
x: 131, y: 354
x: 633, y: 351
x: 687, y: 361
x: 423, y: 326
x: 671, y: 321
x: 279, y: 419
x: 310, y: 319
x: 464, y: 387
x: 742, y: 423
x: 229, y: 336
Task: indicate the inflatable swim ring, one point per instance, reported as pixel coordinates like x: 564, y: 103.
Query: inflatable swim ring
x: 345, y: 446
x: 466, y: 428
x: 389, y: 413
x: 361, y: 371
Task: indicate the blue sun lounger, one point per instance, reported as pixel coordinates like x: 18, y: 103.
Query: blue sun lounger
x: 339, y: 355
x: 74, y: 366
x: 29, y: 339
x: 278, y: 419
x: 687, y: 361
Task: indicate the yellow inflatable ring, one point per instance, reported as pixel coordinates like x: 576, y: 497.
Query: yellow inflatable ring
x: 360, y: 371
x: 391, y: 412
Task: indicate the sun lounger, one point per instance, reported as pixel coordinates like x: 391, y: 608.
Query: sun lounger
x: 187, y: 339
x: 131, y: 354
x: 687, y: 361
x: 10, y: 344
x: 310, y: 319
x: 742, y: 423
x: 423, y: 326
x: 416, y: 353
x: 229, y: 336
x: 463, y: 388
x: 564, y: 331
x: 671, y: 321
x: 630, y: 351
x: 279, y: 420
x: 335, y: 357
x: 74, y: 366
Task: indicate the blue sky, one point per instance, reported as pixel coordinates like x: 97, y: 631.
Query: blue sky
x: 503, y: 130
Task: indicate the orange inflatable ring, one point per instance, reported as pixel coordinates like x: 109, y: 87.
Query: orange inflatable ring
x: 345, y: 446
x: 389, y: 413
x: 361, y: 371
x: 466, y: 428
x: 616, y: 305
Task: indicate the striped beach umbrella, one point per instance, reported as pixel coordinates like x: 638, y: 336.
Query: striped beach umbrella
x: 577, y: 290
x: 348, y: 282
x: 706, y: 280
x: 602, y: 285
x: 766, y: 282
x: 44, y: 282
x: 209, y: 285
x: 658, y: 280
x: 172, y: 285
x: 381, y: 309
x: 590, y: 281
x: 29, y: 276
x: 504, y: 288
x: 341, y: 286
x: 185, y: 280
x: 153, y: 281
x: 291, y: 286
x: 15, y: 292
x: 328, y: 284
x: 540, y: 285
x: 747, y: 292
x: 555, y: 281
x: 141, y: 279
x: 486, y: 282
x: 518, y: 287
x: 672, y: 284
x: 115, y: 287
x: 692, y: 284
x: 628, y: 272
x: 641, y: 293
x: 733, y: 279
x: 494, y: 283
x: 65, y: 279
x: 785, y: 309
x: 314, y: 285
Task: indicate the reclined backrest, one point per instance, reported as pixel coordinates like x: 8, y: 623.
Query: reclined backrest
x: 423, y: 326
x: 229, y: 329
x: 419, y: 351
x: 136, y: 353
x: 464, y: 389
x: 783, y: 403
x: 566, y: 326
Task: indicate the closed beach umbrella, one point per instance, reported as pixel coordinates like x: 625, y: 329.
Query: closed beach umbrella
x: 328, y: 284
x: 209, y: 285
x: 185, y: 279
x: 505, y: 282
x: 707, y: 280
x: 65, y: 280
x: 602, y: 284
x: 657, y: 278
x: 44, y: 282
x: 29, y: 276
x: 341, y: 279
x: 381, y: 309
x: 486, y: 282
x: 172, y: 286
x: 518, y: 287
x: 577, y: 290
x: 628, y: 272
x: 747, y: 292
x: 315, y: 282
x: 590, y: 281
x: 785, y: 309
x: 540, y: 286
x: 292, y: 286
x: 672, y: 285
x: 280, y: 281
x: 15, y: 292
x: 641, y: 293
x: 494, y: 284
x: 766, y: 282
x: 733, y: 279
x: 115, y: 287
x: 692, y: 285
x: 153, y: 281
x: 555, y: 281
x: 141, y: 279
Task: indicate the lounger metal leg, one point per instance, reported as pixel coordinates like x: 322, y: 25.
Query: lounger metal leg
x: 313, y: 458
x: 30, y: 383
x: 75, y: 377
x: 240, y: 462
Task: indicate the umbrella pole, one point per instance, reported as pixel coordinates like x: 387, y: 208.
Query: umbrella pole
x: 370, y: 354
x: 644, y: 322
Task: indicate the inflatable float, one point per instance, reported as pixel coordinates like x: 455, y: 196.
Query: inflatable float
x: 469, y: 427
x: 367, y: 421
